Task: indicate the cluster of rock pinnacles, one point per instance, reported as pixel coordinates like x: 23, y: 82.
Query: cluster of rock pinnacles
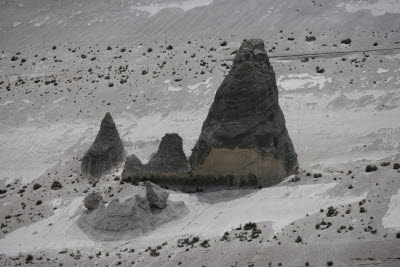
x: 243, y: 140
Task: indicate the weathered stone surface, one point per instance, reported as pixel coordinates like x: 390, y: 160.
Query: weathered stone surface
x: 107, y: 151
x: 92, y: 200
x: 244, y: 132
x: 133, y: 167
x: 169, y: 158
x: 156, y: 196
x: 128, y: 219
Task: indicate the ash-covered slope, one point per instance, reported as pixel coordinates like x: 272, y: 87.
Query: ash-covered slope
x: 244, y: 133
x: 106, y: 152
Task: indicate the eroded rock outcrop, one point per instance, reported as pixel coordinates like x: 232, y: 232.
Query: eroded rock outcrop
x: 156, y: 196
x: 244, y: 135
x: 133, y: 168
x: 107, y: 151
x: 133, y: 217
x: 169, y: 159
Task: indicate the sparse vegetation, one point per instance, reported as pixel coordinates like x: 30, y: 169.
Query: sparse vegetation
x: 346, y: 41
x: 310, y: 38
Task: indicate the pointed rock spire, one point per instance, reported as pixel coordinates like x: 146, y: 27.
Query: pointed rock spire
x: 244, y: 134
x: 106, y: 152
x: 169, y: 158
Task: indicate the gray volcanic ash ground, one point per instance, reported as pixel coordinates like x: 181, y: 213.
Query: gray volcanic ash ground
x: 156, y: 65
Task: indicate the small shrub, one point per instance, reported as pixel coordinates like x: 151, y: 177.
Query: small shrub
x: 110, y: 84
x: 298, y: 239
x: 205, y: 244
x: 39, y: 202
x: 154, y: 253
x: 346, y: 41
x: 319, y: 70
x: 54, y: 47
x: 14, y: 58
x: 385, y: 164
x: 83, y: 56
x: 310, y: 38
x: 250, y: 226
x: 329, y: 263
x: 398, y: 235
x: 332, y: 212
x: 29, y: 258
x: 224, y: 43
x: 396, y: 166
x: 144, y: 72
x: 350, y: 186
x: 109, y: 47
x: 149, y: 50
x: 169, y: 47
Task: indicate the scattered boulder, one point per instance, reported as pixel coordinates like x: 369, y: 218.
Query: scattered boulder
x: 371, y: 168
x: 92, y: 200
x: 56, y: 185
x: 170, y: 157
x: 156, y: 196
x: 244, y: 134
x: 107, y: 151
x: 133, y: 167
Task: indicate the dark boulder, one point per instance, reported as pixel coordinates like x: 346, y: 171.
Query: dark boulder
x: 244, y: 134
x: 107, y: 151
x: 170, y: 157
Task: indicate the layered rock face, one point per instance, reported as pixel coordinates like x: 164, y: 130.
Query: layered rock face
x: 133, y: 168
x: 244, y: 134
x: 107, y: 151
x: 170, y: 157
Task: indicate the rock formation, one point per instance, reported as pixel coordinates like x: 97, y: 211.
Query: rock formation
x: 107, y: 151
x: 92, y: 200
x: 133, y: 217
x: 133, y: 168
x: 156, y: 196
x: 170, y: 158
x: 244, y: 135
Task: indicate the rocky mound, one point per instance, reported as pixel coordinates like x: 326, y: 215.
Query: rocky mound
x: 244, y: 134
x: 107, y: 151
x: 133, y: 217
x: 133, y: 168
x: 170, y: 158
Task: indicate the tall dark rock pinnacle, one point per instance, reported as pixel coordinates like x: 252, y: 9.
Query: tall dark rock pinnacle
x: 106, y: 152
x: 244, y: 135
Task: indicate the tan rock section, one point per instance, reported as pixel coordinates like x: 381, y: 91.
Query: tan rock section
x: 244, y: 163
